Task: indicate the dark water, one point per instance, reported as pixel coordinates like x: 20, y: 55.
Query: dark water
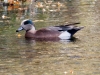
x: 19, y: 56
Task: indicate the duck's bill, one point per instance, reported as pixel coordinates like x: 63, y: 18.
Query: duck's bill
x: 19, y: 29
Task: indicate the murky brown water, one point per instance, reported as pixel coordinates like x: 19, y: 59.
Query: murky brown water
x: 19, y: 56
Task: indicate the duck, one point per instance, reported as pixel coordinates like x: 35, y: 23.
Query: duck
x: 59, y: 32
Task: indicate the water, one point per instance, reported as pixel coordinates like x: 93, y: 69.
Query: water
x: 19, y: 56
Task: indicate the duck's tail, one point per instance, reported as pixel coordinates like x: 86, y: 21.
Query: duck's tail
x: 75, y: 29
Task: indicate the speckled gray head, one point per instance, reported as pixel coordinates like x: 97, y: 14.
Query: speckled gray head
x: 26, y: 24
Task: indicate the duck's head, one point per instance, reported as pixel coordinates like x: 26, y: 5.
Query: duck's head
x: 26, y: 25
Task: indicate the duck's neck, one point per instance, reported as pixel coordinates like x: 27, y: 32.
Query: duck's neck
x: 32, y: 30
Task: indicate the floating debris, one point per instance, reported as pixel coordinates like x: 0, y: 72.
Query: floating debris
x: 19, y: 35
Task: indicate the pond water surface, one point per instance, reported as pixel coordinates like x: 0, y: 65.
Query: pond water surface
x: 19, y: 56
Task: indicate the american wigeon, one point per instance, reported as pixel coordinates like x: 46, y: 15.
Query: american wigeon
x: 61, y: 32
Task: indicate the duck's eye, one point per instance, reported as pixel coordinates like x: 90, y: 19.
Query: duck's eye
x: 28, y: 22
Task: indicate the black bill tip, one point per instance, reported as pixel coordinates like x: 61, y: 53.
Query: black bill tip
x: 17, y: 30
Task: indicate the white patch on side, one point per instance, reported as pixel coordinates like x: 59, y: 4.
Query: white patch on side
x: 65, y: 35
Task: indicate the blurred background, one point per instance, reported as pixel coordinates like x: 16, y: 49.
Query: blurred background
x: 19, y: 56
